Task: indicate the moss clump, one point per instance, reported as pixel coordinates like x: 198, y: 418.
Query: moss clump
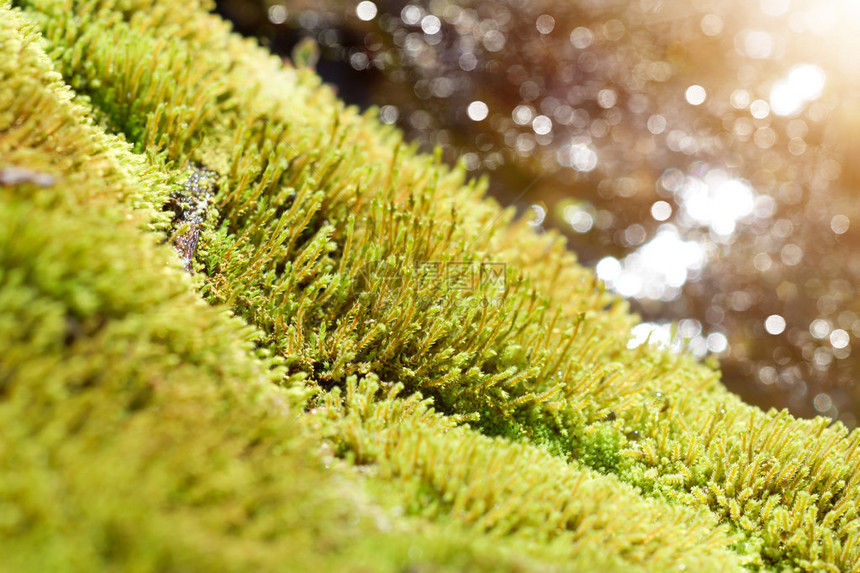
x: 472, y: 380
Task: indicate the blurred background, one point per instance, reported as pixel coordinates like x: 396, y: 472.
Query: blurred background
x: 702, y: 156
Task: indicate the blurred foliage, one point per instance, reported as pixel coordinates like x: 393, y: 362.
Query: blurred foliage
x: 701, y: 151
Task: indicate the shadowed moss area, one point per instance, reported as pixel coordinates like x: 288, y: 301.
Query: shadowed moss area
x: 390, y: 373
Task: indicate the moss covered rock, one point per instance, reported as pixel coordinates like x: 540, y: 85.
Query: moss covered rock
x: 371, y: 366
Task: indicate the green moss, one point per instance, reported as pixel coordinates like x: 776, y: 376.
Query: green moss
x: 504, y: 426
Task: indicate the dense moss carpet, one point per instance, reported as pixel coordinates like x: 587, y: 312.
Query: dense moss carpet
x: 370, y: 366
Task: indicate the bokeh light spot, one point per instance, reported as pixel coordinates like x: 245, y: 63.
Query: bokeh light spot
x: 542, y: 125
x: 389, y: 114
x: 538, y: 215
x: 762, y: 262
x: 696, y: 95
x: 579, y: 219
x: 657, y: 269
x: 791, y: 254
x: 839, y: 338
x: 581, y: 37
x: 608, y: 269
x: 820, y: 328
x: 712, y: 25
x: 661, y: 210
x: 635, y: 234
x: 278, y: 14
x: 839, y: 224
x: 411, y: 15
x: 767, y: 375
x: 775, y: 7
x: 717, y: 201
x: 477, y: 111
x: 740, y: 99
x: 468, y: 61
x: 759, y: 109
x: 657, y: 334
x: 545, y: 23
x: 757, y: 44
x: 822, y: 402
x: 431, y: 24
x: 366, y: 10
x: 577, y: 155
x: 774, y: 324
x: 606, y: 98
x: 494, y: 41
x: 803, y: 85
x: 522, y: 114
x: 657, y: 124
x: 717, y: 342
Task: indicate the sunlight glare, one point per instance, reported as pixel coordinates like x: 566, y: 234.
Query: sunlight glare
x: 657, y: 270
x: 717, y: 202
x: 803, y: 85
x: 659, y: 335
x: 578, y: 154
x: 687, y: 336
